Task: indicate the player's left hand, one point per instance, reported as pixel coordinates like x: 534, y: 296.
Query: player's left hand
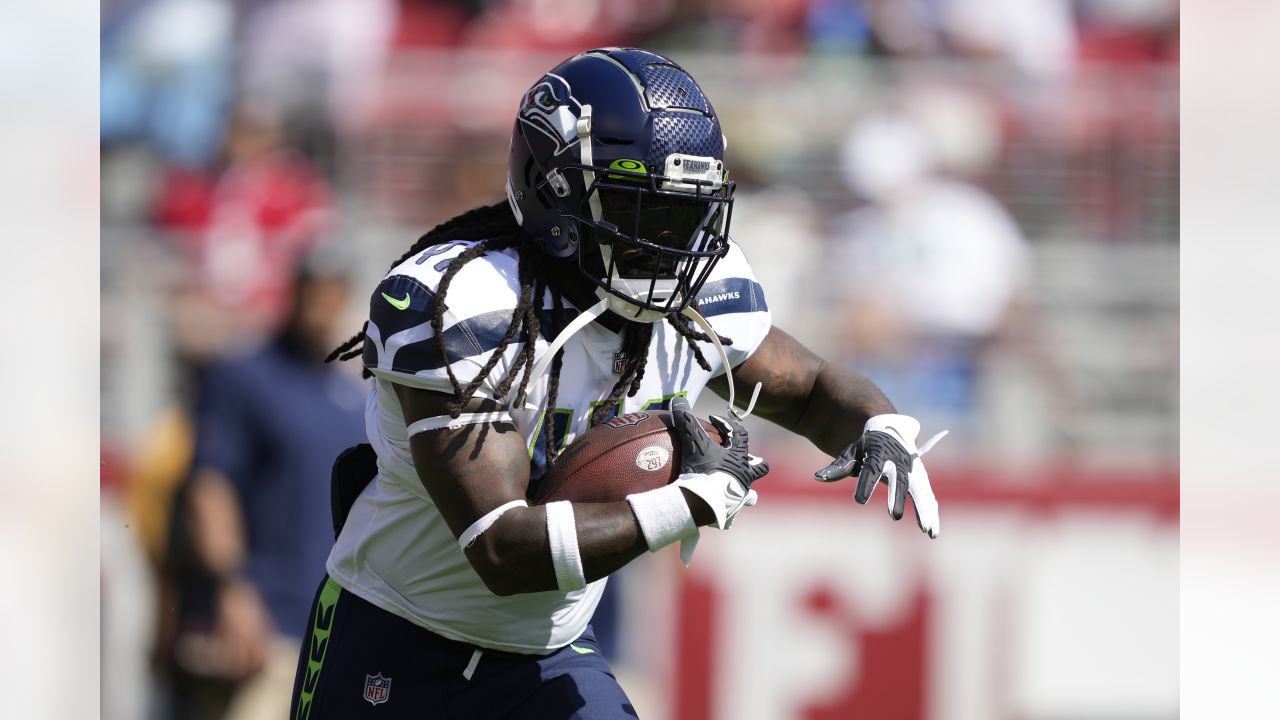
x: 887, y: 452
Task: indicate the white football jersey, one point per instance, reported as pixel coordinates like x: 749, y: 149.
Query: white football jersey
x: 396, y: 550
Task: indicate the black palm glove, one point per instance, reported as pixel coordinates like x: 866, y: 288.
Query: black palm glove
x: 720, y: 475
x: 887, y: 451
x: 703, y: 455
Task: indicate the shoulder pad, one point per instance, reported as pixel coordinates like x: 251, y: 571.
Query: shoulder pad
x: 732, y: 287
x: 477, y: 310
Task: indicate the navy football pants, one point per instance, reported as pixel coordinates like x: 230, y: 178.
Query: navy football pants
x: 359, y: 661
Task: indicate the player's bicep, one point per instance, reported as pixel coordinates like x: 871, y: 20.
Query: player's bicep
x: 470, y: 470
x: 786, y: 371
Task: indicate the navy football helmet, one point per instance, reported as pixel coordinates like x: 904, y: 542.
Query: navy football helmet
x: 617, y: 157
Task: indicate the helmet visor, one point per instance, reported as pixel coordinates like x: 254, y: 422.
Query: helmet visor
x: 656, y: 231
x: 655, y: 245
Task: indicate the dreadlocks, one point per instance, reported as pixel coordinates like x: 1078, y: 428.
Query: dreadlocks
x: 475, y: 224
x: 494, y: 227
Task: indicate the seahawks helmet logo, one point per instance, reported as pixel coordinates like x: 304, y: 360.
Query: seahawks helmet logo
x: 550, y: 108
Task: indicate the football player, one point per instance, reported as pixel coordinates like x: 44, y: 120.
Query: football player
x: 606, y: 283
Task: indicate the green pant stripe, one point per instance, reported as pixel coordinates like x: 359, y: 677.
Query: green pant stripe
x: 319, y: 645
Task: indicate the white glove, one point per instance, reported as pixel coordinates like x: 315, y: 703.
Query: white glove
x: 719, y: 474
x: 885, y: 451
x: 723, y: 493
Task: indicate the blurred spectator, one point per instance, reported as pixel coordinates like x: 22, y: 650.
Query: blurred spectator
x: 166, y: 76
x: 927, y: 271
x: 1035, y: 36
x: 128, y: 608
x: 246, y: 226
x: 315, y: 58
x: 268, y: 427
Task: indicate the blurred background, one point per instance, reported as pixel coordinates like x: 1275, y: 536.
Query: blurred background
x: 975, y: 202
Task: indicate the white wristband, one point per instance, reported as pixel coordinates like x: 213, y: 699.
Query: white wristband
x: 562, y: 534
x: 663, y: 515
x: 469, y: 535
x: 904, y: 426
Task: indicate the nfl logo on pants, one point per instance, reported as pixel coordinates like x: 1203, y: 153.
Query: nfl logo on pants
x: 377, y: 688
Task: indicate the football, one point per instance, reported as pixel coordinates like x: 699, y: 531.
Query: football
x: 628, y: 454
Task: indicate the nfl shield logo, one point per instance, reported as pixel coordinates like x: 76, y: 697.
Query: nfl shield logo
x: 377, y: 688
x: 627, y: 420
x: 619, y: 363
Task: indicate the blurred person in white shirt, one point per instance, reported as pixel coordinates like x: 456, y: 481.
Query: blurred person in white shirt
x: 1038, y: 37
x: 929, y: 269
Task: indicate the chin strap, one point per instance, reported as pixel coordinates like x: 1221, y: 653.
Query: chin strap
x: 583, y: 128
x: 569, y: 331
x: 590, y: 314
x: 701, y: 322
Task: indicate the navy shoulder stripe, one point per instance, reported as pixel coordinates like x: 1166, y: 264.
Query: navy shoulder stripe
x: 471, y: 337
x: 477, y: 335
x: 731, y: 295
x: 467, y: 338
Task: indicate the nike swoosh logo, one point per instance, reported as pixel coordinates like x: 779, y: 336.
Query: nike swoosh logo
x: 580, y: 651
x: 397, y: 304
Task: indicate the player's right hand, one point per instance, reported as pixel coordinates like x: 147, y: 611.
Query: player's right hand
x: 720, y: 475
